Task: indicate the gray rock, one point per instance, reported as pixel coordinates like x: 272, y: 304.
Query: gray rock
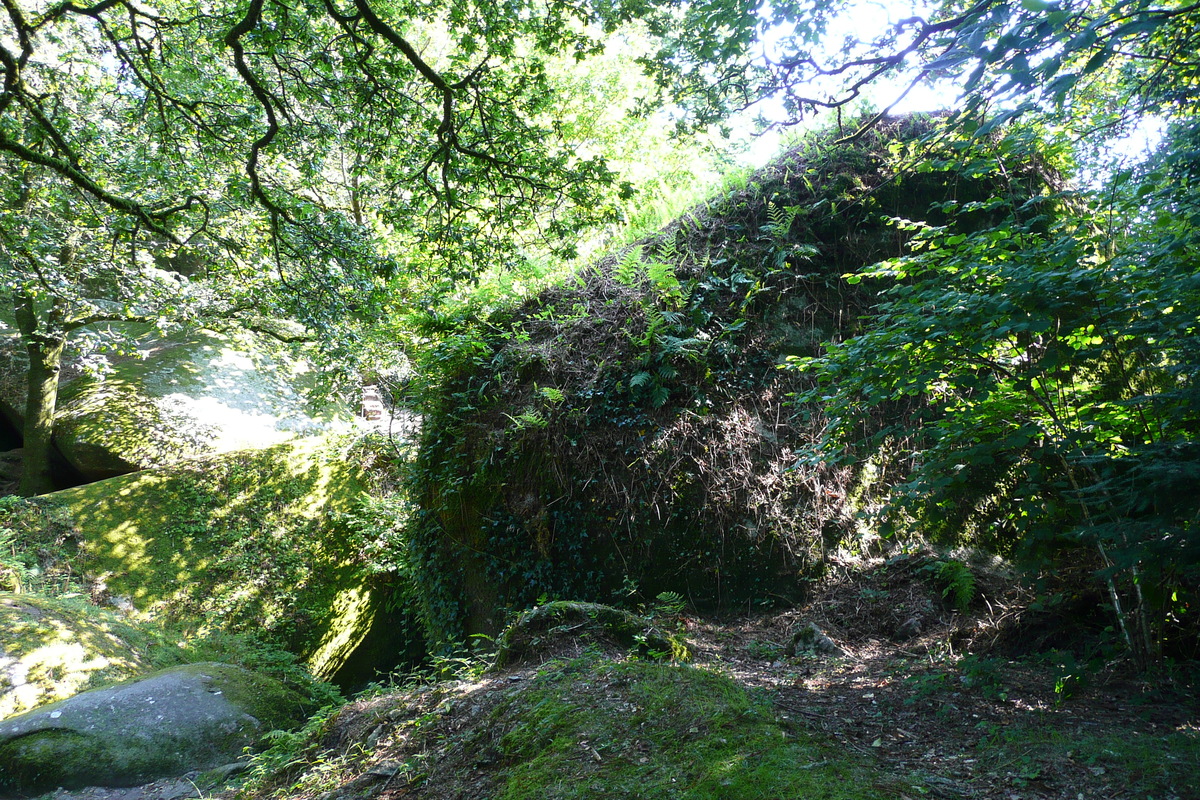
x: 202, y: 393
x: 809, y: 638
x: 169, y: 398
x: 194, y: 717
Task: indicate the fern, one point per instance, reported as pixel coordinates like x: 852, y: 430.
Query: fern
x: 690, y: 347
x: 656, y: 323
x: 668, y: 249
x: 779, y: 221
x: 669, y: 603
x: 628, y: 270
x: 959, y: 583
x: 551, y: 394
x: 662, y: 276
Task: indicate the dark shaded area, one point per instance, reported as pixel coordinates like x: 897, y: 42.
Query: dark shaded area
x: 65, y: 475
x: 393, y: 644
x: 10, y: 437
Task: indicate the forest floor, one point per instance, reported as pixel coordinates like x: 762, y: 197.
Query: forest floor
x: 916, y: 700
x: 993, y: 701
x: 995, y: 729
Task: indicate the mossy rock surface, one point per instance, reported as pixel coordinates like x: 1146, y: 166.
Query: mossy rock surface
x: 540, y: 632
x: 582, y: 729
x: 193, y: 717
x: 633, y: 730
x: 50, y: 649
x: 252, y: 541
x: 201, y: 393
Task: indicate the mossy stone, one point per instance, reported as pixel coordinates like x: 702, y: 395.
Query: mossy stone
x: 538, y: 629
x: 52, y: 648
x: 188, y: 718
x: 242, y: 542
x: 200, y: 393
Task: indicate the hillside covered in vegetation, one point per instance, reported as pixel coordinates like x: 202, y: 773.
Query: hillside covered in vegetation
x: 440, y: 356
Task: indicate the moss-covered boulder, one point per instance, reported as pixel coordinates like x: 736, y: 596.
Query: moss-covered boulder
x: 541, y: 632
x: 167, y: 398
x: 51, y: 649
x: 193, y: 717
x: 651, y: 443
x: 582, y: 729
x: 254, y: 541
x: 202, y: 393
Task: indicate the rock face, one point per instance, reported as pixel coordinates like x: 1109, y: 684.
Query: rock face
x: 12, y: 388
x: 206, y: 393
x: 193, y: 394
x: 193, y: 717
x: 51, y: 649
x: 250, y: 542
x: 10, y: 470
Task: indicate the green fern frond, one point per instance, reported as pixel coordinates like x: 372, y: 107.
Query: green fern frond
x: 959, y: 583
x: 662, y: 276
x: 628, y: 270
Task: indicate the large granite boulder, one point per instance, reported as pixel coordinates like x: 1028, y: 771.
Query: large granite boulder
x: 257, y: 541
x: 205, y: 393
x: 169, y: 398
x: 197, y: 716
x: 50, y: 649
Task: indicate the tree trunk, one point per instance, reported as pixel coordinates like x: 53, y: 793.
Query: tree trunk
x: 41, y: 386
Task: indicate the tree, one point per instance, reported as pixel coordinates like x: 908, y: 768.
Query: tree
x: 1096, y: 62
x: 1047, y: 343
x: 307, y: 153
x: 68, y: 259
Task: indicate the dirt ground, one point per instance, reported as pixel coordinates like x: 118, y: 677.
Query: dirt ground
x: 1000, y: 724
x: 896, y: 706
